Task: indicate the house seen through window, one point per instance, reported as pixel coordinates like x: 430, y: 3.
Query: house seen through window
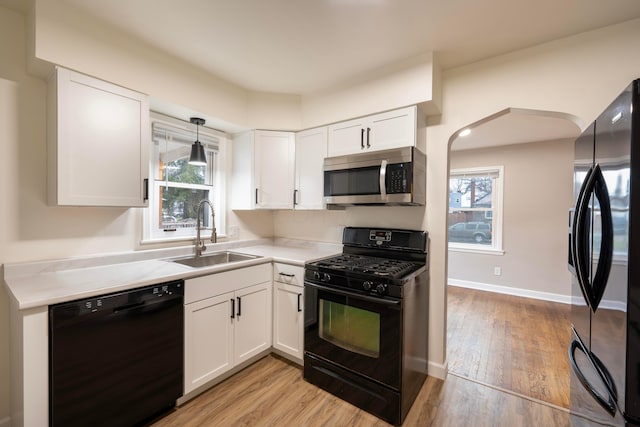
x: 177, y: 187
x: 475, y: 208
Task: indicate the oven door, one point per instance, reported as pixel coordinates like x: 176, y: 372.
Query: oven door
x: 357, y: 332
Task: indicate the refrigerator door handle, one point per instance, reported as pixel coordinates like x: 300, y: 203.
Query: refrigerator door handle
x: 580, y: 237
x: 608, y: 404
x: 592, y: 287
x: 605, y: 258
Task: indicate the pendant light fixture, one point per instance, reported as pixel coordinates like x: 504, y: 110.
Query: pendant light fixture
x: 197, y: 158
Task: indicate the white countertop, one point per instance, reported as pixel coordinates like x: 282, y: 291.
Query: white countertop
x: 45, y: 283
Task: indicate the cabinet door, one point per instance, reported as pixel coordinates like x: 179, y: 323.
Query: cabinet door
x: 288, y: 317
x: 393, y: 129
x: 208, y: 340
x: 98, y: 140
x: 252, y: 321
x: 382, y: 131
x: 346, y: 138
x: 311, y: 149
x: 274, y: 169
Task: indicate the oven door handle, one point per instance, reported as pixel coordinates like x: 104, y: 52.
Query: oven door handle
x: 353, y: 294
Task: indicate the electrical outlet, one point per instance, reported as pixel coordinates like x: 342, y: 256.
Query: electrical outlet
x: 497, y: 271
x: 234, y: 231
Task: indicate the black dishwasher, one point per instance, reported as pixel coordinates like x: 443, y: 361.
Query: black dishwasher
x: 116, y: 359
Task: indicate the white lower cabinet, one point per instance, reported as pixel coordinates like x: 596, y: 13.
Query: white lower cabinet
x: 288, y: 305
x: 208, y: 340
x: 252, y: 321
x: 227, y: 321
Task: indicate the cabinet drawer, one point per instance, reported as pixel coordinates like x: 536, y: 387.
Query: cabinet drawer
x: 290, y: 274
x: 199, y: 288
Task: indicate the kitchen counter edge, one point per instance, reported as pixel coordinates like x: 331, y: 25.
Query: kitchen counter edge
x: 38, y: 284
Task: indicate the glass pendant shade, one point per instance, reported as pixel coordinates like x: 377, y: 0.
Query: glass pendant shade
x: 198, y: 157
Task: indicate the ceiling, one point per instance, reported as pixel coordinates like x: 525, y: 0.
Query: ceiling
x: 307, y: 46
x: 518, y: 126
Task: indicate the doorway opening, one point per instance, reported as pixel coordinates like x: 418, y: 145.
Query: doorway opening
x: 508, y: 286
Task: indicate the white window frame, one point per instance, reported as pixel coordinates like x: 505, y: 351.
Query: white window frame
x: 217, y: 192
x: 497, y: 211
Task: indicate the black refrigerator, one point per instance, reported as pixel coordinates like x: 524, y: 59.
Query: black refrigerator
x: 604, y: 258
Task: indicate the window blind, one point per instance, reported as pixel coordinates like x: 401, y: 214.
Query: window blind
x: 164, y: 132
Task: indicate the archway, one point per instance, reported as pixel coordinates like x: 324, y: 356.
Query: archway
x: 532, y: 151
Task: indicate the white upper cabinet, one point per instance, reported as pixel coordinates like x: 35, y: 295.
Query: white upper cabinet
x: 382, y: 131
x: 98, y: 142
x: 263, y: 170
x: 311, y: 149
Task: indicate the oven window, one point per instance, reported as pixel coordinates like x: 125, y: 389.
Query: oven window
x: 351, y: 328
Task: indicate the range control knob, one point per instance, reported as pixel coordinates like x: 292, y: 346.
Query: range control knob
x: 381, y: 289
x: 316, y: 275
x: 367, y: 285
x: 326, y: 277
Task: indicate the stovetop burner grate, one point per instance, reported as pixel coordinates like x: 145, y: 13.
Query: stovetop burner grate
x: 383, y: 267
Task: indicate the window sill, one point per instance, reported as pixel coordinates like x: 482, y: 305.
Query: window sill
x: 190, y: 239
x: 476, y: 250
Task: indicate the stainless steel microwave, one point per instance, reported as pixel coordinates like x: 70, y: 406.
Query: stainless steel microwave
x: 388, y: 177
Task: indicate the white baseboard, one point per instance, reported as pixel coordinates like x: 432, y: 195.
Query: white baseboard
x: 545, y: 296
x: 438, y: 370
x: 518, y: 292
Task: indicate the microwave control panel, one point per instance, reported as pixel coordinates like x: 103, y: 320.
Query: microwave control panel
x: 399, y: 178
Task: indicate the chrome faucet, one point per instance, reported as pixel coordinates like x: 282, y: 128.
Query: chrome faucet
x: 200, y: 247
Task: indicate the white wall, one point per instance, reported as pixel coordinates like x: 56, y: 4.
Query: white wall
x: 414, y: 81
x: 538, y: 193
x: 16, y: 94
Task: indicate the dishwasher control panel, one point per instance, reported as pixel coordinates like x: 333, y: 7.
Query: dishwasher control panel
x: 119, y: 301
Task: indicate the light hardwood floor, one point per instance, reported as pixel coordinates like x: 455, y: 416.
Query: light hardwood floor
x: 272, y: 392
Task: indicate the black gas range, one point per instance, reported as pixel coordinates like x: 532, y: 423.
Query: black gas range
x: 366, y: 316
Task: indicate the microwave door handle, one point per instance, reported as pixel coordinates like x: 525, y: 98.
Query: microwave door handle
x: 383, y: 180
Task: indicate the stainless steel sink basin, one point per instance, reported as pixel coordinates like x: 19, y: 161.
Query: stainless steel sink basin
x: 214, y: 259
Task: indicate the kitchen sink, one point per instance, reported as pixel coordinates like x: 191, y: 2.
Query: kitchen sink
x: 214, y: 259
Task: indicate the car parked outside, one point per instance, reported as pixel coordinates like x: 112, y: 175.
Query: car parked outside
x: 477, y: 232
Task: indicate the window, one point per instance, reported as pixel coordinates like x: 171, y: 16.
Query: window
x: 176, y: 187
x: 475, y: 208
